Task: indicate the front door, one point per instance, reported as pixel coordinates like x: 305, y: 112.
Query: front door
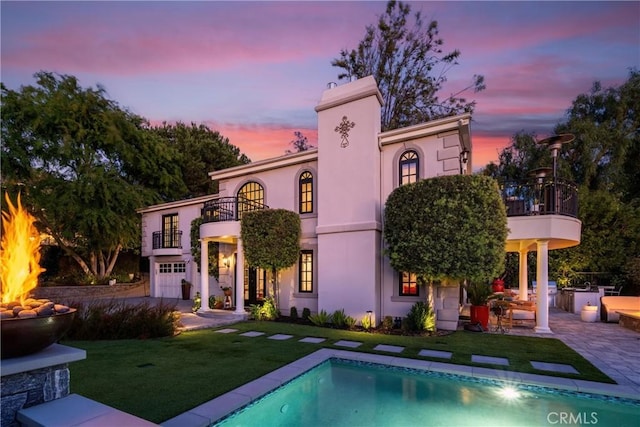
x: 254, y: 285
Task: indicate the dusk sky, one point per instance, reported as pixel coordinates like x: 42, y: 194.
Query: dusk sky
x: 254, y: 71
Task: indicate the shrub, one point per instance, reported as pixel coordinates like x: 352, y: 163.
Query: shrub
x: 349, y: 322
x: 387, y: 323
x: 338, y: 319
x: 293, y: 313
x: 320, y: 319
x: 113, y: 320
x: 306, y: 313
x: 266, y: 311
x: 421, y: 318
x: 366, y: 323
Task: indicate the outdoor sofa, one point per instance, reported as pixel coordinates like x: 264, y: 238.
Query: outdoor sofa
x: 610, y: 305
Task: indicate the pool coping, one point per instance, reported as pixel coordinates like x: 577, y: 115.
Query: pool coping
x: 211, y: 411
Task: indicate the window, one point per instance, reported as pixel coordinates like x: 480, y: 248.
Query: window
x: 179, y: 267
x: 250, y: 198
x: 408, y: 284
x: 306, y: 193
x: 305, y: 271
x: 165, y: 268
x: 170, y: 233
x: 409, y: 167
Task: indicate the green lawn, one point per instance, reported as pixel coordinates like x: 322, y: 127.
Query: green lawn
x: 160, y: 378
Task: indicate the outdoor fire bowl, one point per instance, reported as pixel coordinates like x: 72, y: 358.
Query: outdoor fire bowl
x: 24, y: 336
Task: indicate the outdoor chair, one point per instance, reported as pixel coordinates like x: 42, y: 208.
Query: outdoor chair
x: 520, y: 312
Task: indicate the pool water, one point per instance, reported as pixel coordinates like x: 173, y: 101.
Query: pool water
x: 347, y: 393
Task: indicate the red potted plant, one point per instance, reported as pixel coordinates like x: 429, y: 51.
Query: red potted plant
x: 478, y: 295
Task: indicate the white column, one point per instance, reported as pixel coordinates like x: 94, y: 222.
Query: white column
x: 523, y: 281
x: 542, y: 291
x: 239, y: 288
x: 204, y: 275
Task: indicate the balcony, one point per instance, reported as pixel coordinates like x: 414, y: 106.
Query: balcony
x: 541, y: 209
x: 541, y: 196
x: 228, y: 209
x: 167, y: 242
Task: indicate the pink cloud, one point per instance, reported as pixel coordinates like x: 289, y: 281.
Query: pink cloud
x: 214, y: 39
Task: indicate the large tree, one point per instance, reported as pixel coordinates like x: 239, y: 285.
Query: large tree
x: 406, y: 58
x: 200, y: 150
x: 447, y: 228
x: 83, y: 165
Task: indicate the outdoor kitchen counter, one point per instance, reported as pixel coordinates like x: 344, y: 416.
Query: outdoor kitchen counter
x: 573, y: 299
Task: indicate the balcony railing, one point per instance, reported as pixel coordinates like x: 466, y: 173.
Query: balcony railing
x: 171, y: 239
x: 229, y: 209
x: 540, y: 196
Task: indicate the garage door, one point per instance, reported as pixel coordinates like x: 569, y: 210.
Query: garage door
x: 170, y: 275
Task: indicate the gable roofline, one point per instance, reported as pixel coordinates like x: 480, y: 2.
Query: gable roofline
x: 267, y: 164
x: 458, y: 123
x: 177, y: 204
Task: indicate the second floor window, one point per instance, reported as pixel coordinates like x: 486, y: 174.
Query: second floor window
x: 408, y: 284
x: 170, y: 234
x: 306, y: 193
x: 409, y: 167
x: 250, y: 198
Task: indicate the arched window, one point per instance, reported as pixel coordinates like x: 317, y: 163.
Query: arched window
x: 305, y: 186
x: 250, y: 198
x: 409, y: 167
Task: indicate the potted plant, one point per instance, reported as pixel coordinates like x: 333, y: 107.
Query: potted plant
x: 478, y: 295
x: 216, y: 302
x: 186, y: 290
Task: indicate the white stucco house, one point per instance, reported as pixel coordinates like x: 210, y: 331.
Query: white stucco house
x: 339, y: 189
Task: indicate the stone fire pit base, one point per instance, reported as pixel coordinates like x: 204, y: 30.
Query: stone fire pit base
x: 34, y: 379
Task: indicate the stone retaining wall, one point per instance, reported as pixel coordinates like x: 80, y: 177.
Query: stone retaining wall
x: 60, y: 293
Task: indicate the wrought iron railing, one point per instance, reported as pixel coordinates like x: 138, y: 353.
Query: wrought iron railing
x: 228, y: 209
x: 170, y: 239
x: 540, y: 196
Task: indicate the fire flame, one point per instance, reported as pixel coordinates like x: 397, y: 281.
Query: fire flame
x: 19, y: 254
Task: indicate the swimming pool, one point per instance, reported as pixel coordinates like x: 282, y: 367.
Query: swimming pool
x: 341, y: 392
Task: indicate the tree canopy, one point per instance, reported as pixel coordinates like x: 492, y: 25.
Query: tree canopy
x: 459, y: 232
x: 406, y: 58
x: 271, y: 239
x: 83, y: 164
x: 199, y: 150
x: 299, y: 144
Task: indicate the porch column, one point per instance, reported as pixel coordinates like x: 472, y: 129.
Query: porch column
x: 239, y: 285
x: 542, y: 291
x: 523, y: 281
x: 204, y: 275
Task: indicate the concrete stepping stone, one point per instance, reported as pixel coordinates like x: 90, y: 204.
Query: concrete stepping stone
x: 554, y: 367
x: 436, y: 353
x: 280, y: 337
x: 252, y: 334
x: 226, y: 331
x: 312, y: 340
x: 491, y: 360
x: 389, y: 348
x: 350, y: 344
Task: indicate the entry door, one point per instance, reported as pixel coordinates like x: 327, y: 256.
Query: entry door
x: 254, y: 285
